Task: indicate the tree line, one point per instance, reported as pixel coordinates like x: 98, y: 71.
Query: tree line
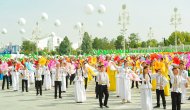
x: 89, y: 44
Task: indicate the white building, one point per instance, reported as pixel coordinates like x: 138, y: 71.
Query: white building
x: 51, y: 42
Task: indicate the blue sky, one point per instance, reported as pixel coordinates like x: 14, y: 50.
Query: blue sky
x: 143, y: 14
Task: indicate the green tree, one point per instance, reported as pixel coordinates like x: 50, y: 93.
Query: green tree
x: 172, y: 38
x: 182, y: 37
x: 28, y: 47
x: 187, y: 38
x: 133, y: 40
x: 105, y: 43
x: 53, y: 52
x: 165, y: 42
x: 97, y: 42
x: 45, y: 50
x: 152, y: 43
x: 74, y: 52
x: 86, y: 46
x: 143, y: 44
x: 111, y: 44
x: 119, y: 42
x: 65, y: 46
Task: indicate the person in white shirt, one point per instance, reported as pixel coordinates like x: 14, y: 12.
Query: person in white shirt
x: 103, y: 82
x: 58, y: 79
x: 64, y: 74
x: 177, y: 82
x: 146, y: 93
x: 67, y: 75
x: 85, y: 75
x: 15, y: 77
x: 31, y: 73
x: 137, y: 72
x: 53, y: 71
x: 96, y: 80
x: 184, y: 74
x: 161, y: 82
x: 72, y: 71
x: 140, y: 71
x: 47, y: 77
x: 119, y: 79
x: 170, y: 67
x: 25, y: 78
x: 125, y: 87
x: 38, y: 76
x: 43, y: 75
x: 79, y: 90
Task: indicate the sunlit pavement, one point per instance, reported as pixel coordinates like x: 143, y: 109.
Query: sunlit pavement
x: 10, y: 100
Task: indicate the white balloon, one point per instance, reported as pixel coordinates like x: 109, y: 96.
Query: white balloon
x: 21, y: 21
x: 57, y: 22
x: 22, y: 31
x: 79, y: 24
x: 4, y: 31
x: 52, y: 34
x: 89, y: 9
x: 100, y: 24
x: 75, y: 27
x: 44, y: 16
x: 102, y: 9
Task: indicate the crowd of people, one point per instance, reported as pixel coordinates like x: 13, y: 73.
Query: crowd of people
x: 164, y: 73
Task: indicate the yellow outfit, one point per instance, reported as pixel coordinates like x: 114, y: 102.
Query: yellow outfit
x: 90, y: 73
x: 112, y: 78
x: 154, y: 80
x: 138, y: 64
x: 165, y: 73
x: 157, y: 65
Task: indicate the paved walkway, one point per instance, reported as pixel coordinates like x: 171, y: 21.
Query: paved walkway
x: 10, y: 100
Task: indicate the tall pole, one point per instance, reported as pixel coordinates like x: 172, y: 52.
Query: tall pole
x: 150, y: 36
x: 175, y: 20
x: 123, y: 22
x: 81, y: 34
x: 36, y: 36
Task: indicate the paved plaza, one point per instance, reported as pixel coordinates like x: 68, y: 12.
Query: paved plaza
x: 10, y: 100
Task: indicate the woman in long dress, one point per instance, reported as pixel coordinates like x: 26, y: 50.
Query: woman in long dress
x: 15, y: 76
x: 80, y: 93
x: 64, y: 74
x: 53, y: 71
x: 118, y: 79
x: 47, y: 77
x: 146, y: 93
x: 126, y: 77
x: 31, y: 72
x: 113, y: 68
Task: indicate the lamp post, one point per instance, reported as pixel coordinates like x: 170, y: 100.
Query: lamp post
x: 150, y: 33
x: 80, y: 28
x: 150, y: 36
x: 123, y: 22
x: 175, y: 21
x: 36, y: 35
